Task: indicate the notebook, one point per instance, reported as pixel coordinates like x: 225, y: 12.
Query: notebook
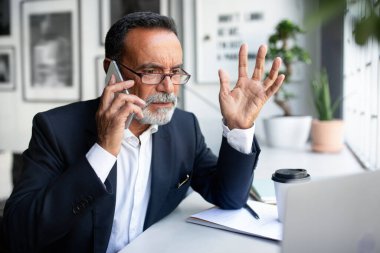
x: 241, y: 221
x: 340, y: 214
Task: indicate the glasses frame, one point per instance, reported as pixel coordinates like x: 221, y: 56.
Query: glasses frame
x: 141, y: 75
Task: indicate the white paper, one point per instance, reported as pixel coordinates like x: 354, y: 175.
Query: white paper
x: 241, y: 221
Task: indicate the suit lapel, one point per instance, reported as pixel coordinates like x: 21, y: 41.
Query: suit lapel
x: 161, y: 167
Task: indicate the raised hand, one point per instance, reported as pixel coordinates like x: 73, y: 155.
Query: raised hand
x: 240, y: 106
x: 113, y: 111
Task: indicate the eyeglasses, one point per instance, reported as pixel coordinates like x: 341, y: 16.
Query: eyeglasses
x: 179, y: 78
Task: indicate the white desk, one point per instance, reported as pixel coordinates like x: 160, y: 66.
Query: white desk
x: 174, y: 234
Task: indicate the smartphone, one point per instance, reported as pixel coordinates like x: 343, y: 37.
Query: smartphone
x: 113, y: 69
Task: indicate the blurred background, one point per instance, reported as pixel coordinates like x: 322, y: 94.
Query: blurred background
x: 51, y: 54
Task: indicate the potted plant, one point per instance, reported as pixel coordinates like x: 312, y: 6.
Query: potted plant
x: 326, y: 132
x: 287, y: 130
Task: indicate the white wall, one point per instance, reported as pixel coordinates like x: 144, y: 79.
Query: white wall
x: 16, y: 115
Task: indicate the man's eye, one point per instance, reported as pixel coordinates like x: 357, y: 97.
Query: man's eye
x: 177, y: 71
x: 151, y: 71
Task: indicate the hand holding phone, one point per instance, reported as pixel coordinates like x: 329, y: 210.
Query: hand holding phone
x: 113, y: 69
x: 115, y: 111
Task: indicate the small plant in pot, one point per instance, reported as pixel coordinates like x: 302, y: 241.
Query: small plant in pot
x: 282, y: 43
x: 326, y: 132
x: 287, y: 130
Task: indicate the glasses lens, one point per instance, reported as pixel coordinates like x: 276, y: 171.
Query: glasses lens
x: 151, y: 78
x: 179, y: 79
x: 157, y: 78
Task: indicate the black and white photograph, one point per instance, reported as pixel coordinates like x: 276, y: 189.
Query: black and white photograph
x: 50, y: 50
x: 5, y: 12
x: 7, y: 66
x: 113, y: 10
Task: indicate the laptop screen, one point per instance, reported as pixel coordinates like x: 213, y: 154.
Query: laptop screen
x: 339, y: 214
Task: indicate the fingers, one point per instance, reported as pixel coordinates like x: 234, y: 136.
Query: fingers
x: 224, y: 80
x: 273, y: 74
x: 115, y: 102
x: 275, y: 86
x: 122, y: 100
x: 112, y: 88
x: 243, y: 60
x: 128, y: 109
x: 111, y: 124
x: 114, y: 109
x: 260, y: 62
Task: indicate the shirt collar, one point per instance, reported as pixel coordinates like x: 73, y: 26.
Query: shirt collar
x: 151, y: 130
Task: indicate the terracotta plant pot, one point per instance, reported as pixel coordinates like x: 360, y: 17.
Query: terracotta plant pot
x: 327, y: 136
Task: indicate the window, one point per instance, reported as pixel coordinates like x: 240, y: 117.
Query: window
x: 361, y: 92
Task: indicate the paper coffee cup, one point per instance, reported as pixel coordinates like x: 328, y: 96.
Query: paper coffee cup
x: 283, y: 179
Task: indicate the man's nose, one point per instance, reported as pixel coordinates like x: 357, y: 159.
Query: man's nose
x: 166, y: 85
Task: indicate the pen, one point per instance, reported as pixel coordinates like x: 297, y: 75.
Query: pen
x: 254, y: 194
x: 251, y: 211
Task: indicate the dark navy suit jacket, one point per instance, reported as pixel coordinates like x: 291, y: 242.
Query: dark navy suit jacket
x: 61, y: 205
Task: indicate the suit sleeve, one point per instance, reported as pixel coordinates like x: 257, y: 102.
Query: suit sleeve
x: 52, y: 194
x: 223, y: 181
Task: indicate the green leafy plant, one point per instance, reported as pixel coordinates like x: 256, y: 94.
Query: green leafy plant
x: 282, y: 43
x: 321, y: 96
x: 365, y: 27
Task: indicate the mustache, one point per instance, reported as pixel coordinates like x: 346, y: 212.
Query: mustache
x: 161, y: 98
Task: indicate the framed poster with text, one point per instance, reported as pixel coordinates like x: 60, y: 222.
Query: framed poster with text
x: 221, y: 27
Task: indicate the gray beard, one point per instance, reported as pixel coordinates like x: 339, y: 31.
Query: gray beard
x: 163, y: 115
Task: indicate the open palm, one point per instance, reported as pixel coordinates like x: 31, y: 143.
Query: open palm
x: 240, y: 106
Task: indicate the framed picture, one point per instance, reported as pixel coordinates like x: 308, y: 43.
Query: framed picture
x: 5, y: 17
x: 7, y: 68
x: 100, y: 75
x: 50, y: 50
x: 113, y: 10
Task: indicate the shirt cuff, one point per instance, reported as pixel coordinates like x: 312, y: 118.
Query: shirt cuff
x: 101, y: 161
x: 240, y: 139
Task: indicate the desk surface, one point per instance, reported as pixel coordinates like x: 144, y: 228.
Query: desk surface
x: 174, y: 234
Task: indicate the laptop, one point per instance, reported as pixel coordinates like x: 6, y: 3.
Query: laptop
x: 340, y: 214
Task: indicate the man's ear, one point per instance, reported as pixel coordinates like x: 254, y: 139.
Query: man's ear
x: 106, y: 64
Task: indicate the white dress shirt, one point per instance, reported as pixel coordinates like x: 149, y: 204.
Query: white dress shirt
x: 134, y: 177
